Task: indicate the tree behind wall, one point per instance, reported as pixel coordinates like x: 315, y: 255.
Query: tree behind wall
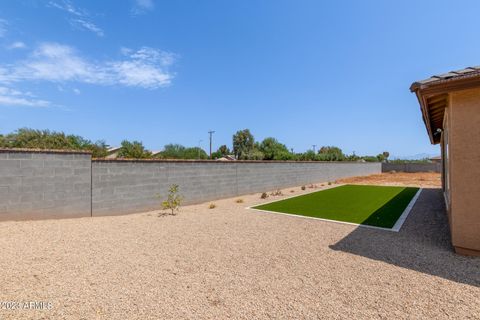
x: 222, y: 151
x: 133, y: 150
x: 173, y: 151
x: 46, y: 139
x: 330, y: 153
x: 177, y: 151
x: 307, y: 156
x: 243, y: 144
x: 386, y: 154
x: 195, y: 153
x: 274, y: 150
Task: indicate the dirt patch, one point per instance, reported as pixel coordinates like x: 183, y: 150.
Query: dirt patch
x: 421, y: 179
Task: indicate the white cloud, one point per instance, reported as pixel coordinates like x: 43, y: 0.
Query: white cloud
x: 81, y: 18
x: 142, y: 6
x: 68, y: 7
x: 17, y: 45
x: 3, y: 27
x: 141, y: 68
x: 76, y: 91
x: 145, y: 68
x: 12, y: 97
x: 87, y: 25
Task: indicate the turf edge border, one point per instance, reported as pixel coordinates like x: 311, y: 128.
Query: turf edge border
x: 396, y: 227
x: 296, y: 195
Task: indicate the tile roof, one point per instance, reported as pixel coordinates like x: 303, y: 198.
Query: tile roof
x: 449, y: 76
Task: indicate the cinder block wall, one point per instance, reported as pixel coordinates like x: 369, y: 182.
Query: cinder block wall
x: 412, y: 167
x: 56, y: 184
x: 131, y: 186
x: 36, y: 185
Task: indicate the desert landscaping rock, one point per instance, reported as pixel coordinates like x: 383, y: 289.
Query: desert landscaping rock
x: 234, y: 263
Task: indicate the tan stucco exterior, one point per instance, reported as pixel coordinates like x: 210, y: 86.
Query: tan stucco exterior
x: 462, y: 124
x: 450, y: 105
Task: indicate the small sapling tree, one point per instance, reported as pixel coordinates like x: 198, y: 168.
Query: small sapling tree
x: 174, y: 200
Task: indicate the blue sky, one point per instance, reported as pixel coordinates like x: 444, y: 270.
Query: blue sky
x: 306, y: 72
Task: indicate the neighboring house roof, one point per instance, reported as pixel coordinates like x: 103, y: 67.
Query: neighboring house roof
x: 154, y: 153
x: 112, y: 152
x: 227, y: 158
x: 436, y: 158
x: 432, y: 94
x: 113, y: 149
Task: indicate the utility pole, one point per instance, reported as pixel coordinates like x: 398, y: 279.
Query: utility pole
x: 211, y: 132
x: 314, y: 146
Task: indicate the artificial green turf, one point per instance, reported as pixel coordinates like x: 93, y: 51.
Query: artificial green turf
x: 378, y: 206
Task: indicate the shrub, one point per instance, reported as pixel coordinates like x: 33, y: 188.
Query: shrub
x: 292, y: 191
x: 276, y: 192
x: 173, y: 201
x: 329, y: 183
x: 212, y: 206
x: 239, y: 201
x: 264, y: 196
x: 303, y: 188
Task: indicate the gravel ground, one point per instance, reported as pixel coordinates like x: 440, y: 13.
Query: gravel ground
x: 229, y: 262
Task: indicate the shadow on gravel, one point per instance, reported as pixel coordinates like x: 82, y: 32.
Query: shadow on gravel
x: 423, y: 243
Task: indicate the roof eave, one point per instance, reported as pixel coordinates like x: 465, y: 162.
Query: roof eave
x: 414, y: 87
x: 423, y: 109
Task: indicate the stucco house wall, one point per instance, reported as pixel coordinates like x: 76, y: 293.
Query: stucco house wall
x: 450, y: 106
x: 463, y: 121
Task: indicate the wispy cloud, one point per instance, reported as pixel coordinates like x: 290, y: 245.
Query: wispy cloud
x: 12, y: 97
x: 17, y: 45
x: 80, y: 18
x: 144, y: 68
x: 142, y: 6
x: 67, y: 6
x: 87, y: 25
x: 3, y: 27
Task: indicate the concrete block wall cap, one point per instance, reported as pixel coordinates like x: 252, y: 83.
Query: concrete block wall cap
x: 18, y: 150
x: 219, y: 162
